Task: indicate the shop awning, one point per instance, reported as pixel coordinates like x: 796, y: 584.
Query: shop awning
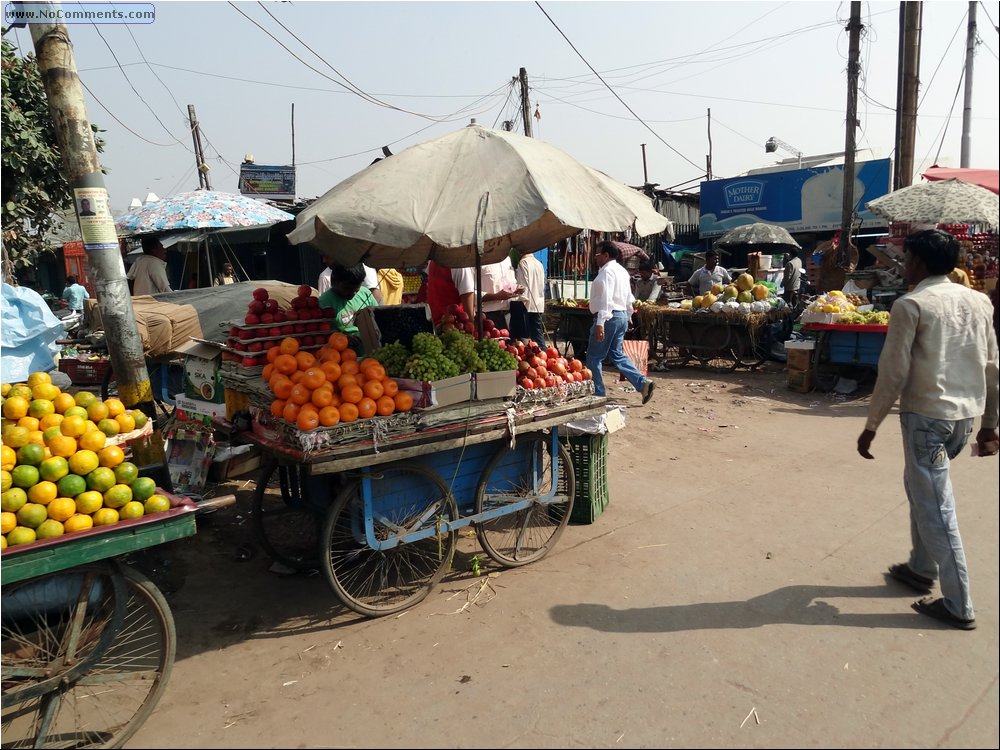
x: 987, y: 178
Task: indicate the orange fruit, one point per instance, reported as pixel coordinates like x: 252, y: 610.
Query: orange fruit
x: 268, y: 370
x: 305, y: 360
x: 110, y: 456
x: 50, y: 420
x: 373, y: 389
x: 404, y: 401
x: 300, y: 395
x: 351, y: 393
x: 29, y: 423
x: 53, y: 469
x: 322, y: 397
x: 329, y: 416
x: 286, y: 364
x: 104, y: 517
x: 126, y: 422
x: 62, y: 508
x: 346, y: 380
x: 83, y: 462
x: 349, y: 367
x: 9, y: 521
x: 83, y: 398
x: 385, y: 405
x: 156, y: 504
x: 73, y: 426
x: 297, y: 376
x: 110, y: 427
x: 366, y: 408
x: 273, y: 352
x: 78, y: 522
x: 307, y: 420
x: 338, y: 341
x: 43, y: 493
x: 283, y: 388
x: 390, y: 387
x: 89, y: 501
x: 314, y: 378
x: 62, y: 402
x: 38, y: 377
x: 15, y: 407
x: 132, y: 509
x: 348, y: 355
x: 115, y: 407
x: 278, y: 407
x: 331, y: 370
x: 291, y: 412
x: 98, y: 411
x: 326, y: 354
x: 62, y: 445
x: 376, y: 372
x: 45, y: 392
x: 348, y: 412
x: 117, y: 496
x: 289, y: 346
x: 93, y: 440
x: 15, y: 436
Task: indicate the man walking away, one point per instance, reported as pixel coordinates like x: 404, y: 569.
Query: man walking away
x: 611, y: 303
x: 940, y: 359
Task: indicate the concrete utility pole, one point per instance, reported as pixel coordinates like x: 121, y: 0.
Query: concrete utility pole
x: 708, y: 156
x: 853, y: 70
x: 645, y: 172
x: 525, y: 105
x: 57, y: 68
x: 199, y: 154
x: 970, y: 50
x: 911, y: 14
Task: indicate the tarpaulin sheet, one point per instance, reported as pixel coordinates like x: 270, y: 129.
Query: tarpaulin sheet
x: 28, y: 335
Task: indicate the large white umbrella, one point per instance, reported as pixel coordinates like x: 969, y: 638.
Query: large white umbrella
x: 440, y: 199
x: 943, y: 202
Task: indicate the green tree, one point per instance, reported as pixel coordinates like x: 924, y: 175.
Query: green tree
x: 33, y: 185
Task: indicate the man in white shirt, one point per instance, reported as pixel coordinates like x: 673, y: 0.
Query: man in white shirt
x: 940, y: 359
x: 611, y: 303
x: 149, y: 272
x: 323, y: 283
x: 527, y: 312
x: 371, y: 282
x: 701, y: 281
x: 499, y: 285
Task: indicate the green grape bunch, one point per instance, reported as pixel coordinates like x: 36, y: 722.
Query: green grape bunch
x: 429, y: 367
x: 393, y: 358
x: 426, y: 344
x: 495, y: 358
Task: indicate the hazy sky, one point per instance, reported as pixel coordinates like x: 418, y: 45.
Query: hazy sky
x: 764, y: 69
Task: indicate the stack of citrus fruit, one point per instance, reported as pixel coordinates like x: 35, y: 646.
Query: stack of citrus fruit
x: 329, y: 387
x: 58, y: 473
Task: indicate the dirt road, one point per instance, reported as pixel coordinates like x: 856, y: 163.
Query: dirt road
x: 732, y: 595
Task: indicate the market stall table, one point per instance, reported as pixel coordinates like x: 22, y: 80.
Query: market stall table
x: 841, y: 346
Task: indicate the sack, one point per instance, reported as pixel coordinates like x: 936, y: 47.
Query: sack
x: 638, y: 352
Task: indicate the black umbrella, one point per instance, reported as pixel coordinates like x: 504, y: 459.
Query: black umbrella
x: 757, y: 234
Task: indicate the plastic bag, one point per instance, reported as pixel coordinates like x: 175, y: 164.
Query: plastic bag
x: 28, y: 335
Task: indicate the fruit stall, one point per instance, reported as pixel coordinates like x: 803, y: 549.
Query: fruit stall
x: 87, y: 641
x: 376, y: 454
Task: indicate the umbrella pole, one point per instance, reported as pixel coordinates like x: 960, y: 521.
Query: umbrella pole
x: 480, y: 219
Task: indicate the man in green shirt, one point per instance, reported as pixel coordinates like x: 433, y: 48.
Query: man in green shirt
x: 347, y: 295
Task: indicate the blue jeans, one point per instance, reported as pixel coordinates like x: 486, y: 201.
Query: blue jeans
x: 611, y: 349
x: 929, y: 445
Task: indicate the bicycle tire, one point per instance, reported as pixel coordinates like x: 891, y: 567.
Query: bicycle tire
x: 286, y: 528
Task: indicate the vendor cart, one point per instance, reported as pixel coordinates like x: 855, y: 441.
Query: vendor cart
x: 845, y: 349
x: 88, y: 642
x: 381, y: 518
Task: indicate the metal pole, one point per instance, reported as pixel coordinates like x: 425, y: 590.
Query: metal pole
x: 645, y: 173
x: 525, y: 105
x: 57, y: 68
x: 853, y: 70
x: 911, y: 80
x: 970, y: 49
x: 708, y: 157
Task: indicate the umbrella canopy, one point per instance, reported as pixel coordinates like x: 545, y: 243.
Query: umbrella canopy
x: 757, y: 234
x: 629, y: 251
x: 438, y: 199
x: 944, y: 202
x: 200, y: 209
x: 987, y: 178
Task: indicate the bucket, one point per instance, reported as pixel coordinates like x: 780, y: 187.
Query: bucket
x: 765, y: 262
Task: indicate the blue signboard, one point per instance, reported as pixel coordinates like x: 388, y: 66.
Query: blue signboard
x: 274, y: 183
x: 800, y: 200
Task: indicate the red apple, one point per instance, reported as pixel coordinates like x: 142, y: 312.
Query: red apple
x: 260, y: 294
x: 234, y: 330
x: 276, y: 331
x: 313, y: 302
x: 300, y: 327
x: 305, y: 291
x: 240, y: 346
x: 279, y: 317
x: 251, y: 319
x: 287, y: 329
x: 292, y: 315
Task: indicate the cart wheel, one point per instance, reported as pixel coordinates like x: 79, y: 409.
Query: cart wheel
x: 674, y: 356
x: 285, y: 525
x: 512, y: 476
x: 747, y: 355
x: 124, y: 653
x: 720, y: 360
x: 405, y: 498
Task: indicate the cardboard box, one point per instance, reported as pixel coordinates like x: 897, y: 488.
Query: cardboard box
x: 799, y: 359
x: 386, y: 324
x: 234, y: 461
x: 202, y: 372
x: 438, y: 393
x: 189, y: 456
x: 502, y: 384
x: 800, y: 380
x: 197, y: 410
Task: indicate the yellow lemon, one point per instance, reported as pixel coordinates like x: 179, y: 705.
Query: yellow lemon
x: 62, y: 402
x: 36, y: 378
x: 111, y: 456
x: 43, y: 493
x: 79, y: 522
x: 126, y: 422
x: 83, y: 462
x: 89, y: 501
x: 29, y: 423
x: 49, y: 421
x: 115, y: 407
x: 49, y: 529
x: 7, y: 521
x: 62, y: 445
x: 73, y: 426
x: 20, y: 535
x: 93, y: 440
x: 98, y: 411
x: 62, y: 508
x: 105, y: 517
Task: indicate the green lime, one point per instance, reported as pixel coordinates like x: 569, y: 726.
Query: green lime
x: 71, y: 485
x: 143, y: 488
x: 24, y: 475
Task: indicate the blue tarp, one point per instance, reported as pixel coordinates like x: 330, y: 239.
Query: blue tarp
x: 28, y: 335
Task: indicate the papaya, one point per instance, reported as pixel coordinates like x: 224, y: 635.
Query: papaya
x: 744, y: 282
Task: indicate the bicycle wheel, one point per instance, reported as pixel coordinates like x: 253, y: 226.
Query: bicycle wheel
x: 404, y: 498
x: 518, y: 537
x: 284, y: 524
x: 128, y: 653
x: 748, y: 353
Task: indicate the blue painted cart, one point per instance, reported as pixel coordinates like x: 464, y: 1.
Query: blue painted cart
x: 383, y: 526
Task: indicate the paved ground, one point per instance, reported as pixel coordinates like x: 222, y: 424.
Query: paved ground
x: 732, y: 595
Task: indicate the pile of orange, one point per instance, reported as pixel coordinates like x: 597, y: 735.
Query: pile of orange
x: 329, y: 387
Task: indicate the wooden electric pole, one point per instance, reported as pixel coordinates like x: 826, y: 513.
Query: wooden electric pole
x: 57, y: 68
x: 909, y: 80
x: 708, y: 156
x: 199, y: 154
x: 853, y: 71
x: 970, y: 50
x: 525, y: 106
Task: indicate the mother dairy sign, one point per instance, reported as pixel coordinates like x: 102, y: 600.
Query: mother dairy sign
x: 800, y: 200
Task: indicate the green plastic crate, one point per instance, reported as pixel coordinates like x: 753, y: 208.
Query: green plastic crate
x: 589, y: 454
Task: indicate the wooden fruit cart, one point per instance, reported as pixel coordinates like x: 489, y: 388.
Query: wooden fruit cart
x: 380, y: 517
x: 88, y: 642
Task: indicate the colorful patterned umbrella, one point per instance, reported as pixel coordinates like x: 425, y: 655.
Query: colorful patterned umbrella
x: 200, y: 209
x: 758, y: 233
x: 944, y: 202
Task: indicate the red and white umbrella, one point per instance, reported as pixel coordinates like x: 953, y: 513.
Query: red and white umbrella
x: 628, y: 251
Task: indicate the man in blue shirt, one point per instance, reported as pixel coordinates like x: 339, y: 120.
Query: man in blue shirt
x: 74, y: 294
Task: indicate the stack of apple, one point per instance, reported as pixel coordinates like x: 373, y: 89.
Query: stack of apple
x: 455, y: 318
x: 267, y: 323
x: 545, y: 368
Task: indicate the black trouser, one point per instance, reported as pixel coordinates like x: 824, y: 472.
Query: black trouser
x: 526, y: 325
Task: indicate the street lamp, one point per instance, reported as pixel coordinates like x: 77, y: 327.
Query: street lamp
x: 772, y: 144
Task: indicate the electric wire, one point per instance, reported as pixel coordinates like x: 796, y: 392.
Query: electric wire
x: 987, y: 12
x: 504, y: 105
x: 639, y: 119
x: 552, y: 97
x: 115, y: 118
x: 947, y: 122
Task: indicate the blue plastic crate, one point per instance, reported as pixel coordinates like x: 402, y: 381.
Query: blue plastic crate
x: 849, y: 348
